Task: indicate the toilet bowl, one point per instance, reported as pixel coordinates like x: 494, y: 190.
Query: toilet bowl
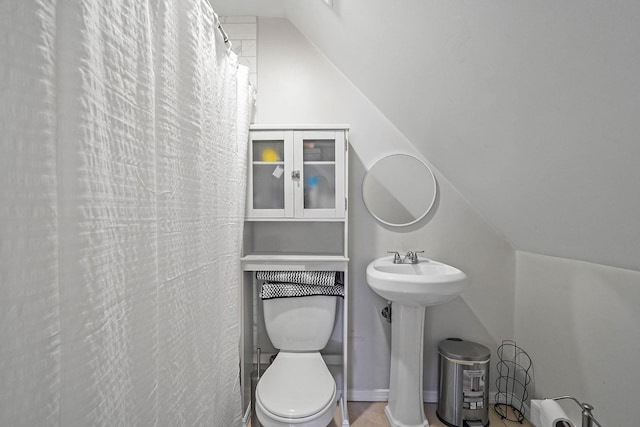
x: 297, y: 389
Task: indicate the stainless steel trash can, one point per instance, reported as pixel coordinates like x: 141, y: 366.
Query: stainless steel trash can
x: 463, y: 383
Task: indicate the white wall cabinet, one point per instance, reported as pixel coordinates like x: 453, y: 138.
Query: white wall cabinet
x: 296, y: 219
x: 297, y: 173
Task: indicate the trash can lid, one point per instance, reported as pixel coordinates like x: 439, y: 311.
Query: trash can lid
x: 456, y: 348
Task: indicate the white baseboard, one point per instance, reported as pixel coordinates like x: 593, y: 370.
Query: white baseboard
x: 430, y: 396
x: 382, y: 395
x: 375, y: 395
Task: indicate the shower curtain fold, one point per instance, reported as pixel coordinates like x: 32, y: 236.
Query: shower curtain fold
x: 30, y: 338
x: 122, y: 191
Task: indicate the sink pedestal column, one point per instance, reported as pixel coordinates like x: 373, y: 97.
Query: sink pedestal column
x: 406, y: 407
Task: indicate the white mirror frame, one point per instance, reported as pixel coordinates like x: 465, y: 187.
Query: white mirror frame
x: 392, y: 182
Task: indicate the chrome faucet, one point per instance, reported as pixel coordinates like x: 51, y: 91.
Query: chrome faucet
x: 412, y: 256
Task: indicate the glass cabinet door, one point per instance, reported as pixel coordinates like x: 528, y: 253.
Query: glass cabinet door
x: 270, y: 172
x: 321, y: 155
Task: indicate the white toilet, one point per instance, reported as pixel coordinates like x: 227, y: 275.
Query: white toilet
x: 298, y: 389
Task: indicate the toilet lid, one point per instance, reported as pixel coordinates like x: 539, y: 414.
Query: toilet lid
x: 296, y: 385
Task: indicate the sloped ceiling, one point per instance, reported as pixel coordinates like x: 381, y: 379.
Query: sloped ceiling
x: 531, y: 109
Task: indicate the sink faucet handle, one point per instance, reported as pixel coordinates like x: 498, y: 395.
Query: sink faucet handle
x: 413, y: 256
x: 396, y: 257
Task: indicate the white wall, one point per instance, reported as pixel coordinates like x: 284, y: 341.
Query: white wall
x: 529, y: 108
x: 297, y: 84
x: 580, y: 323
x: 242, y: 33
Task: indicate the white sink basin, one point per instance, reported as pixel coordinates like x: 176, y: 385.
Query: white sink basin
x: 426, y: 283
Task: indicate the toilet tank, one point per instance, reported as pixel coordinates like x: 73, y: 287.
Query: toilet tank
x: 300, y: 323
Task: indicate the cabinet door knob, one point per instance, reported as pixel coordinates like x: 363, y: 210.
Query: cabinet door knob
x: 295, y: 175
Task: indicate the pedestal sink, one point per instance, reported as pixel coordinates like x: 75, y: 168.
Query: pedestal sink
x: 411, y: 288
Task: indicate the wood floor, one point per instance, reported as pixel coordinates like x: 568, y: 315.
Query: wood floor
x: 371, y: 414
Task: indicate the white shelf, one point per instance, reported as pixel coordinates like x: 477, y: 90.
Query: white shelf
x: 294, y: 263
x: 268, y: 219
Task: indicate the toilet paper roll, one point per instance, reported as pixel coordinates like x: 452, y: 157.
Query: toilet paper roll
x: 552, y: 415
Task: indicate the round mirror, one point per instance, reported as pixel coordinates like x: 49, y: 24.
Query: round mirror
x: 399, y: 190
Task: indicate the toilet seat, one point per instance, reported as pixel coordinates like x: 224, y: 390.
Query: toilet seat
x: 296, y: 388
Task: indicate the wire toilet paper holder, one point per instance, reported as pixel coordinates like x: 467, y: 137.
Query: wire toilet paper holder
x: 514, y: 375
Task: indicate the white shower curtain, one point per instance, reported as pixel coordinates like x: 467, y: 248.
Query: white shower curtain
x: 123, y: 127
